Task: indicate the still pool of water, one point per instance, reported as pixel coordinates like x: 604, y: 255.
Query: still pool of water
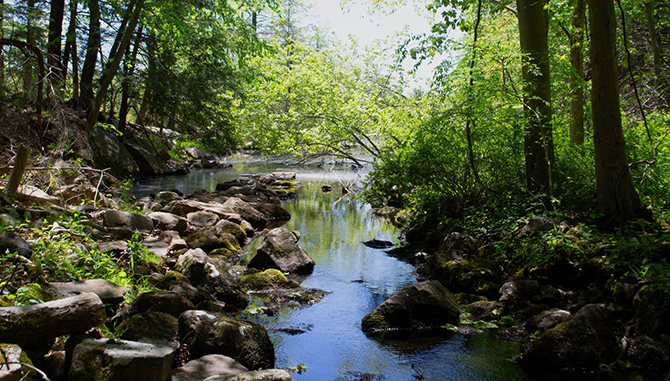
x: 358, y: 279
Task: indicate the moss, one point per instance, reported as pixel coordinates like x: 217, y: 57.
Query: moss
x: 271, y: 278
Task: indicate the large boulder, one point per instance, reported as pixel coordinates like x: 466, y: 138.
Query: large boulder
x: 41, y: 322
x: 108, y: 152
x: 581, y: 343
x: 14, y: 243
x: 427, y: 306
x: 161, y: 301
x: 109, y: 359
x: 207, y: 366
x: 652, y: 312
x: 478, y: 276
x: 214, y: 333
x: 156, y: 328
x: 257, y: 219
x: 169, y: 221
x: 280, y: 250
x: 115, y: 218
x: 148, y: 162
x: 108, y: 292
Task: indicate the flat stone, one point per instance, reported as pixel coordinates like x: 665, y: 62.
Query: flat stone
x: 207, y: 366
x: 115, y: 218
x: 107, y: 359
x: 169, y: 221
x: 108, y: 292
x: 259, y: 375
x: 202, y: 218
x: 31, y: 193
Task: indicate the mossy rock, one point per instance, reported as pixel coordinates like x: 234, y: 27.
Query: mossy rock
x: 161, y: 301
x: 268, y: 279
x: 209, y: 242
x: 228, y: 227
x: 150, y: 327
x: 12, y: 353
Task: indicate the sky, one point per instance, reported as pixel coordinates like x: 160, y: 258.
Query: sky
x: 368, y: 29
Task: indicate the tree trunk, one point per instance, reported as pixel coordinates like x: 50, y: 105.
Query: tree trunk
x: 71, y: 50
x: 617, y: 199
x: 577, y: 63
x: 54, y: 52
x: 28, y: 70
x: 653, y: 39
x: 92, y: 47
x: 151, y: 49
x: 2, y: 52
x: 113, y: 67
x: 538, y: 142
x: 129, y: 71
x: 20, y: 163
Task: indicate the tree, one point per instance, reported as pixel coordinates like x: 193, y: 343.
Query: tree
x: 54, y: 51
x: 617, y: 198
x: 538, y: 141
x: 577, y: 62
x: 86, y: 91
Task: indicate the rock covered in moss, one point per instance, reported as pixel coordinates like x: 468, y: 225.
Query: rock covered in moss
x: 216, y: 333
x: 107, y: 360
x: 229, y: 227
x: 581, y: 343
x: 247, y: 212
x: 150, y: 327
x: 259, y: 375
x: 280, y: 250
x: 161, y: 301
x: 10, y: 356
x: 478, y: 276
x: 208, y: 241
x: 268, y: 279
x: 425, y: 306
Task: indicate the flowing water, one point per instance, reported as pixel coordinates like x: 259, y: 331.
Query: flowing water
x: 357, y: 279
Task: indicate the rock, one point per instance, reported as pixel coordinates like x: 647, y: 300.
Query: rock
x: 459, y: 245
x: 652, y: 312
x: 225, y: 226
x: 113, y: 247
x: 274, y: 212
x: 473, y: 275
x: 208, y: 241
x: 645, y: 353
x: 426, y: 306
x: 161, y: 301
x: 268, y: 279
x: 280, y: 250
x: 108, y: 292
x: 151, y: 327
x: 165, y: 197
x: 537, y: 224
x: 31, y: 193
x: 148, y: 162
x: 184, y: 207
x: 211, y: 333
x: 44, y: 321
x: 229, y: 184
x: 259, y: 375
x: 75, y: 188
x: 169, y: 221
x: 108, y: 152
x: 103, y: 359
x: 519, y: 290
x: 197, y: 153
x: 377, y: 244
x: 202, y: 218
x: 207, y: 366
x: 547, y: 320
x: 10, y: 355
x: 581, y: 343
x: 14, y: 243
x: 115, y: 218
x: 257, y: 219
x: 486, y: 310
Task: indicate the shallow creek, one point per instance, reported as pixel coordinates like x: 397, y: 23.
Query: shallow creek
x: 358, y: 279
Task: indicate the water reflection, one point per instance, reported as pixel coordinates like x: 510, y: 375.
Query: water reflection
x: 358, y: 279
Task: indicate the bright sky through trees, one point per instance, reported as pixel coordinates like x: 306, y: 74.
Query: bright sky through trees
x: 369, y: 28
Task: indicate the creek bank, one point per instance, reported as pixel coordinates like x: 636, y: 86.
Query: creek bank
x: 200, y: 276
x: 573, y: 315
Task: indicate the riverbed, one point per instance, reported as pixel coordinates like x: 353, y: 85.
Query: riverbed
x: 326, y: 338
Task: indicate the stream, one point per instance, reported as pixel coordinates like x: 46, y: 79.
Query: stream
x: 357, y: 279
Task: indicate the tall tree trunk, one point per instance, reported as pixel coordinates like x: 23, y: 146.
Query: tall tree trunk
x: 113, y: 67
x: 653, y: 39
x: 93, y: 45
x: 617, y: 199
x: 151, y: 50
x: 71, y: 50
x: 129, y: 71
x: 469, y: 122
x: 538, y: 141
x: 2, y: 52
x: 54, y: 51
x: 28, y: 70
x: 577, y: 63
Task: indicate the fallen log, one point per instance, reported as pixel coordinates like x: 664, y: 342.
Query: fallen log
x: 27, y: 325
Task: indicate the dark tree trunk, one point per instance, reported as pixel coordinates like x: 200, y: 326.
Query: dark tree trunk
x: 28, y: 71
x: 538, y: 142
x: 577, y: 63
x: 2, y: 53
x: 71, y: 50
x: 129, y: 71
x: 617, y: 199
x: 88, y: 70
x: 54, y: 51
x: 113, y: 67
